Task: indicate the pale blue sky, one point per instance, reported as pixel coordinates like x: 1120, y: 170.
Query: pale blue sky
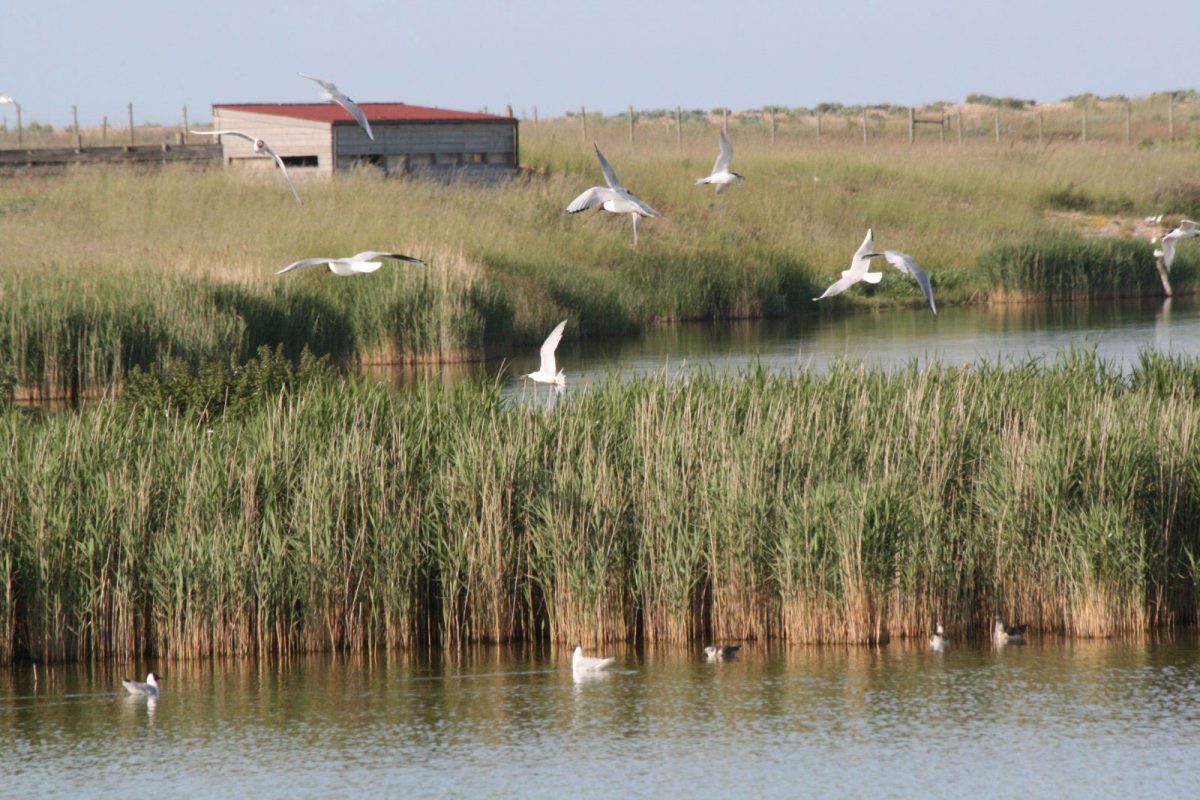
x: 558, y: 55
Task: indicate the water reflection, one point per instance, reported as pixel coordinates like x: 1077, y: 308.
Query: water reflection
x: 1118, y: 330
x: 1091, y: 718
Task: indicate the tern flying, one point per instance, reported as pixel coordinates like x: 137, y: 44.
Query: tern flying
x: 909, y: 266
x: 615, y: 198
x: 546, y: 372
x: 260, y: 146
x: 357, y: 264
x: 858, y: 270
x: 1166, y: 251
x: 721, y: 175
x: 332, y: 94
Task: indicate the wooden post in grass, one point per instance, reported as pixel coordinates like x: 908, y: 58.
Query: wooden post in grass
x: 864, y: 124
x: 679, y: 127
x: 942, y: 130
x: 772, y: 126
x: 535, y: 118
x: 183, y: 135
x: 583, y: 118
x: 1128, y: 122
x: 958, y: 124
x: 912, y: 125
x: 818, y: 126
x: 631, y: 125
x: 996, y: 123
x: 131, y: 123
x: 75, y: 127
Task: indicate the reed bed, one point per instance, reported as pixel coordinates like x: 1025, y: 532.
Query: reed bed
x: 104, y: 270
x: 849, y: 506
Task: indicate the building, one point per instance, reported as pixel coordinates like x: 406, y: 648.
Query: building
x: 409, y: 140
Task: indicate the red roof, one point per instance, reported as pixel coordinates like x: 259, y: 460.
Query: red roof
x: 376, y: 112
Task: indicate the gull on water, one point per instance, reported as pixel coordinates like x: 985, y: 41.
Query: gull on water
x: 858, y: 269
x: 547, y: 372
x: 332, y: 94
x: 1002, y: 634
x: 721, y: 176
x: 939, y: 641
x: 260, y: 146
x: 357, y: 264
x: 582, y: 663
x: 149, y: 688
x: 722, y: 652
x: 909, y: 266
x: 614, y: 198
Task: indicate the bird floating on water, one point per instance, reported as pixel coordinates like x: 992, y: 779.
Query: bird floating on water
x: 149, y: 688
x: 1002, y: 634
x: 614, y: 198
x: 939, y: 641
x: 582, y: 663
x: 330, y: 92
x: 858, y: 269
x: 547, y: 372
x: 722, y: 177
x: 357, y: 264
x: 909, y: 266
x: 260, y: 146
x: 722, y: 652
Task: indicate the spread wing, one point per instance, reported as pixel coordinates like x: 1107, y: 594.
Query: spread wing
x: 590, y: 199
x: 548, y: 348
x: 908, y: 265
x: 328, y: 86
x: 610, y: 177
x: 1189, y: 228
x: 368, y: 255
x: 283, y: 169
x: 838, y: 287
x: 643, y: 207
x: 307, y: 262
x: 724, y: 157
x: 1166, y: 251
x: 355, y: 111
x: 239, y: 134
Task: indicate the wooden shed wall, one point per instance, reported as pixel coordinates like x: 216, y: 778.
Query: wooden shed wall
x: 286, y: 136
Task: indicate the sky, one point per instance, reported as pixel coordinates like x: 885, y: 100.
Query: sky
x: 560, y: 55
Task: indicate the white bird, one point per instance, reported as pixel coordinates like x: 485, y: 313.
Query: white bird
x: 332, y: 94
x: 5, y: 99
x: 547, y: 372
x: 582, y: 663
x: 1002, y: 635
x: 615, y: 198
x: 1155, y: 220
x: 1166, y: 250
x: 149, y: 688
x: 721, y: 175
x: 909, y: 266
x: 939, y: 641
x: 260, y: 146
x: 858, y: 269
x: 722, y: 652
x: 357, y: 264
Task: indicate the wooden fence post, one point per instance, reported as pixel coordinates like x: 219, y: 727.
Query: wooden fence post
x: 818, y: 126
x: 772, y: 126
x: 1083, y: 132
x: 104, y: 129
x: 1128, y: 122
x: 583, y: 117
x: 996, y: 123
x: 679, y: 127
x: 1171, y: 117
x: 630, y: 124
x: 958, y: 124
x: 912, y: 125
x: 131, y: 123
x: 864, y: 124
x: 1040, y: 126
x: 942, y: 130
x: 185, y: 125
x: 75, y: 127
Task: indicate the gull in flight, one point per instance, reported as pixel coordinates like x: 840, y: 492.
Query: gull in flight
x: 721, y: 175
x: 1002, y: 635
x: 357, y: 264
x: 858, y: 269
x: 1164, y: 254
x: 332, y: 94
x: 909, y: 266
x: 939, y: 641
x: 260, y: 146
x: 582, y: 663
x: 149, y: 688
x: 546, y: 372
x: 615, y: 198
x: 722, y: 652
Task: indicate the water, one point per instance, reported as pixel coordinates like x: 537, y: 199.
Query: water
x: 1118, y: 330
x: 1050, y: 719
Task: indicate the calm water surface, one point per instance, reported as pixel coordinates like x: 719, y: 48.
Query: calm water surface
x: 1118, y: 330
x: 1050, y: 719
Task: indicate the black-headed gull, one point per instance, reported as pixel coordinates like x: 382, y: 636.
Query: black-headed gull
x: 721, y: 175
x: 149, y: 688
x: 939, y: 640
x: 722, y: 652
x: 909, y: 266
x: 1166, y: 249
x: 582, y: 663
x: 332, y: 94
x: 614, y: 198
x: 858, y: 269
x: 357, y: 264
x: 1002, y: 634
x: 260, y: 146
x: 547, y: 372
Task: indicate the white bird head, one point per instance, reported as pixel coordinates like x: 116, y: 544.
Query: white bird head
x: 152, y: 679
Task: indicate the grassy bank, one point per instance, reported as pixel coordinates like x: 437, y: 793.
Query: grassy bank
x: 847, y: 506
x: 105, y: 269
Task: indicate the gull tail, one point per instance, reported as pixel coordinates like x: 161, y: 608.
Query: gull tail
x: 700, y: 181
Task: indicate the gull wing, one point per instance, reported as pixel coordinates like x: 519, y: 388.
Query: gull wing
x: 643, y: 207
x: 610, y: 177
x: 1189, y: 228
x: 724, y: 157
x: 333, y: 95
x: 328, y: 86
x: 908, y: 265
x: 859, y: 264
x: 307, y: 262
x: 590, y: 199
x: 367, y: 255
x: 838, y: 287
x: 1167, y: 251
x: 239, y: 134
x: 283, y: 169
x: 548, y: 348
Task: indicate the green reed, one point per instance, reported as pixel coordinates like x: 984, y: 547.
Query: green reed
x: 847, y: 506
